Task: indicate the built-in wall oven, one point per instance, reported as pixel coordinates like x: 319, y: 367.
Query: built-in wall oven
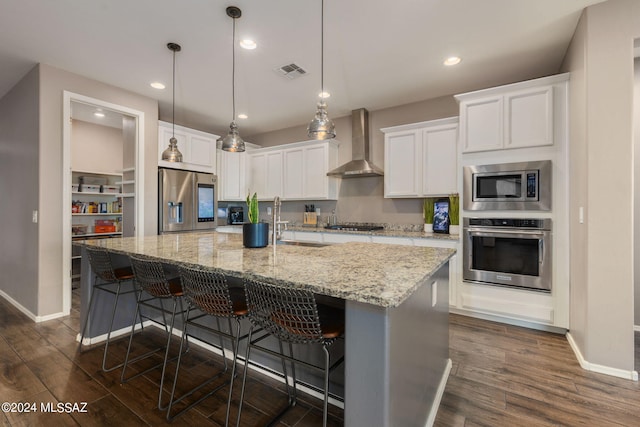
x: 514, y: 252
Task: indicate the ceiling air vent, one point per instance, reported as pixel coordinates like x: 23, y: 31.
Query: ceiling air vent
x: 291, y: 71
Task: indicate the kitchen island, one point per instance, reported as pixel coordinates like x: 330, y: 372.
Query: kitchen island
x: 396, y: 302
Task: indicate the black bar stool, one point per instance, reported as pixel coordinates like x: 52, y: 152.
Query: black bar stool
x: 293, y: 316
x: 109, y: 280
x: 209, y: 295
x: 154, y: 285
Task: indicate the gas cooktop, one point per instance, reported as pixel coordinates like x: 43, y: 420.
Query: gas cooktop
x: 346, y: 227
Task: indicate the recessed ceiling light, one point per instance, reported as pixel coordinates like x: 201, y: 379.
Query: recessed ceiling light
x: 157, y: 85
x: 452, y: 60
x: 98, y: 114
x: 324, y: 95
x: 248, y: 44
x: 242, y: 116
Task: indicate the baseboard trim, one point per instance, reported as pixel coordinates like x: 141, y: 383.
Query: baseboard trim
x: 19, y: 306
x: 508, y: 320
x: 310, y: 390
x: 28, y: 313
x: 439, y: 393
x: 601, y: 369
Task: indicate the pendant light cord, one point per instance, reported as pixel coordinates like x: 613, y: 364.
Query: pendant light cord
x: 233, y: 71
x: 173, y: 103
x: 322, y: 51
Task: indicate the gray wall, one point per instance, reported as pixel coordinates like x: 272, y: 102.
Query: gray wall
x: 362, y: 199
x: 19, y: 186
x: 636, y: 194
x: 601, y: 157
x: 31, y: 171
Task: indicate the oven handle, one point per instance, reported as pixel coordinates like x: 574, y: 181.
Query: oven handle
x: 541, y: 251
x: 496, y: 233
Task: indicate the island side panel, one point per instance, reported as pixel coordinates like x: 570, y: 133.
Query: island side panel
x: 396, y: 358
x: 100, y: 319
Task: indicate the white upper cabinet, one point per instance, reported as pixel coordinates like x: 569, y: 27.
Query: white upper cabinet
x: 305, y: 171
x: 265, y: 172
x: 232, y: 176
x: 198, y: 148
x: 519, y: 115
x: 421, y: 159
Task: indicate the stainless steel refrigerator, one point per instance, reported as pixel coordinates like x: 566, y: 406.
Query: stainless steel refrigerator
x: 187, y: 201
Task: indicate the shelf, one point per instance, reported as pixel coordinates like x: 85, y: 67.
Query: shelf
x: 76, y: 171
x: 76, y: 257
x: 128, y: 170
x: 125, y: 182
x: 97, y: 214
x: 128, y: 195
x: 82, y: 236
x: 92, y: 193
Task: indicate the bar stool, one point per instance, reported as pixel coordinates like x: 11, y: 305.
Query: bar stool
x: 209, y: 293
x: 152, y: 280
x: 112, y: 280
x: 293, y: 316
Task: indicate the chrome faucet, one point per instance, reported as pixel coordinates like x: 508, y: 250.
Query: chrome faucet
x: 277, y: 231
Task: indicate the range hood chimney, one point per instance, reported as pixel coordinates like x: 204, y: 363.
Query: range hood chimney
x: 360, y: 165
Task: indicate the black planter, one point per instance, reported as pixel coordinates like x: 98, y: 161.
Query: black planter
x: 255, y: 235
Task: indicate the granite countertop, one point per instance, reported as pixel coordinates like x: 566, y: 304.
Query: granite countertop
x: 387, y: 232
x: 379, y: 274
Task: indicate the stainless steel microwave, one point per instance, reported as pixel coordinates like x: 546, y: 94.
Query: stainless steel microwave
x: 524, y: 186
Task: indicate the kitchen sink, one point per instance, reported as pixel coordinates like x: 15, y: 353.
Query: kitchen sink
x: 306, y: 244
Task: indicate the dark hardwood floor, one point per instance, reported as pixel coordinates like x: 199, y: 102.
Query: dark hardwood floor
x: 502, y: 376
x: 509, y: 376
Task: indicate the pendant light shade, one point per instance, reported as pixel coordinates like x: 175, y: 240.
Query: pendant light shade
x: 233, y: 142
x: 321, y: 127
x: 172, y: 154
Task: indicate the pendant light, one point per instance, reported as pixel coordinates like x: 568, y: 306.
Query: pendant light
x: 321, y: 127
x: 233, y: 141
x: 172, y: 154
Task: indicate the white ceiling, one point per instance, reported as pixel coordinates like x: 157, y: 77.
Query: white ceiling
x: 378, y: 53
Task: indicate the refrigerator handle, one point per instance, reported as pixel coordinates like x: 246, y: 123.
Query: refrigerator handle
x: 175, y: 212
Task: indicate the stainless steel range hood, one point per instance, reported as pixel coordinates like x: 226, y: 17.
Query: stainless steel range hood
x: 361, y: 164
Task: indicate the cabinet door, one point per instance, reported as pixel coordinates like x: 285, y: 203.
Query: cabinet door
x: 202, y: 152
x: 315, y: 179
x: 529, y: 118
x: 402, y: 164
x: 481, y: 126
x: 257, y: 174
x: 266, y: 174
x: 293, y: 173
x: 232, y: 179
x: 164, y: 135
x: 440, y: 160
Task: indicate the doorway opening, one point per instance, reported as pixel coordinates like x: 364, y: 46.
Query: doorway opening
x: 114, y: 152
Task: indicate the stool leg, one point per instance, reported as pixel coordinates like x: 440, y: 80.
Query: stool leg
x: 166, y: 353
x: 244, y: 375
x: 234, y: 348
x: 106, y: 346
x: 326, y: 386
x: 133, y: 327
x: 86, y: 318
x: 175, y: 376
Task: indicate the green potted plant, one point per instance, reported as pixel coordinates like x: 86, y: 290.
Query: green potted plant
x: 454, y: 214
x: 427, y: 212
x: 255, y: 234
